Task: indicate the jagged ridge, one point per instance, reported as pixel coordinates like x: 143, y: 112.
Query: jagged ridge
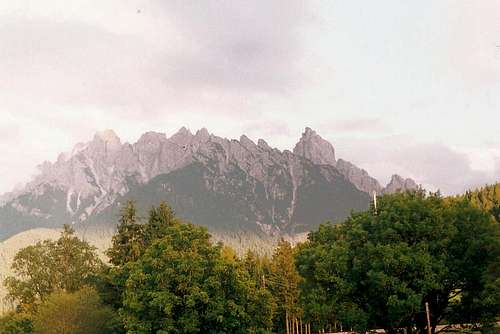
x: 250, y: 186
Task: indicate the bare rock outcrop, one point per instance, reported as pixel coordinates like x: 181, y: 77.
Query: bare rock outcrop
x: 249, y: 185
x: 359, y: 177
x: 398, y: 183
x: 311, y: 146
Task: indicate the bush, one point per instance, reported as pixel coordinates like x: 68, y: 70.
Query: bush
x: 75, y: 313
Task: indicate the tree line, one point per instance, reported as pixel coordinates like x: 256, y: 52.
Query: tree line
x: 378, y: 269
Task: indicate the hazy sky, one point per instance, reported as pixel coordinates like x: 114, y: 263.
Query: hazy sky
x: 408, y: 87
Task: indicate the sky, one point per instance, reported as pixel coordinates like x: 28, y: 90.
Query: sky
x: 407, y: 87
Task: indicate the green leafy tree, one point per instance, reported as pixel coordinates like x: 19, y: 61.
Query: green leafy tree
x: 380, y: 270
x: 327, y: 297
x: 66, y: 264
x: 284, y: 285
x: 16, y: 323
x: 79, y: 312
x: 184, y: 284
x: 34, y: 267
x: 77, y: 263
x: 487, y: 198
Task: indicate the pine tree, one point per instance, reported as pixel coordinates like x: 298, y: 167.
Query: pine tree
x: 128, y: 243
x: 159, y: 220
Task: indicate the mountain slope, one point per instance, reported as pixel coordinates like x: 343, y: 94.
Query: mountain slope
x: 233, y: 201
x: 224, y: 184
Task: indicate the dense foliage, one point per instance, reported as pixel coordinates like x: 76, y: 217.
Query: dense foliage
x: 487, y: 198
x: 284, y: 284
x: 378, y: 269
x: 177, y: 281
x: 16, y: 323
x: 66, y: 264
x: 182, y: 284
x: 79, y: 312
x: 51, y: 289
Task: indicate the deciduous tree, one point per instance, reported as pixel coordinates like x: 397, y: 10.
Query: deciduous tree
x: 379, y: 270
x: 66, y: 264
x: 183, y: 284
x: 79, y: 312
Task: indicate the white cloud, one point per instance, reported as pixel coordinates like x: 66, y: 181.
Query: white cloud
x: 420, y: 73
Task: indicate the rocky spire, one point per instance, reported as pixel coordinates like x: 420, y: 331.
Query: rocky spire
x: 311, y: 146
x: 397, y: 183
x: 263, y: 145
x: 182, y: 137
x: 202, y: 135
x: 106, y: 141
x: 109, y: 137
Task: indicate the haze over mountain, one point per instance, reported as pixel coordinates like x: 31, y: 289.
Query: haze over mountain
x: 227, y: 185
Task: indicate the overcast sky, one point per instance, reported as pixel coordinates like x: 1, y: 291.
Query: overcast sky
x: 408, y: 87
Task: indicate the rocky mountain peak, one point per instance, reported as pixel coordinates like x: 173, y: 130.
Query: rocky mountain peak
x: 182, y: 137
x: 105, y: 142
x: 263, y: 144
x: 202, y: 135
x: 108, y: 136
x: 151, y: 137
x: 247, y: 143
x: 267, y: 188
x: 311, y: 146
x: 398, y: 183
x: 308, y: 132
x: 359, y: 177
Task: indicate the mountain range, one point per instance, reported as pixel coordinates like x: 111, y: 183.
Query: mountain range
x: 225, y: 184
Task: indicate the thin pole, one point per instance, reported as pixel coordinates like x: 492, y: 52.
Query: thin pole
x: 429, y: 329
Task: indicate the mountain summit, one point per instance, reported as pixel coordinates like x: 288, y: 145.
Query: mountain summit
x: 311, y: 146
x: 227, y: 185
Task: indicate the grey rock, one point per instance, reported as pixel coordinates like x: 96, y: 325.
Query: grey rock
x: 398, y: 183
x: 359, y: 177
x: 245, y: 185
x: 311, y: 146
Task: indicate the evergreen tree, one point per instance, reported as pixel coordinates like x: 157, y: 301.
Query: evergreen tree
x: 160, y: 219
x: 259, y: 268
x: 128, y: 242
x: 487, y: 198
x: 184, y: 284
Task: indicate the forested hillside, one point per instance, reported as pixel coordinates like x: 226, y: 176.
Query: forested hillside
x: 380, y: 268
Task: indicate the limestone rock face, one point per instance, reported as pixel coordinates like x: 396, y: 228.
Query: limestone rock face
x: 398, y: 183
x: 213, y: 181
x: 359, y: 177
x: 311, y: 146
